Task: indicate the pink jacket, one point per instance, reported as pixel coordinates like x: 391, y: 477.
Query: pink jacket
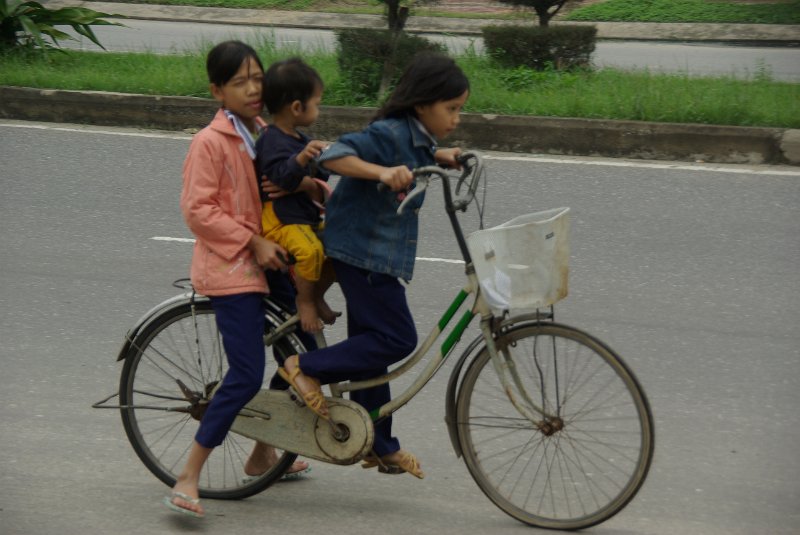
x: 222, y: 207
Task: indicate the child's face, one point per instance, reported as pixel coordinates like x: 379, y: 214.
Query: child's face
x: 306, y: 115
x: 441, y: 117
x: 242, y: 93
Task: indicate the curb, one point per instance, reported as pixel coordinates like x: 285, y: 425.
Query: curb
x: 506, y: 133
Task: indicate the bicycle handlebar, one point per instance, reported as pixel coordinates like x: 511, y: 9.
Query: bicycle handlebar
x: 472, y: 168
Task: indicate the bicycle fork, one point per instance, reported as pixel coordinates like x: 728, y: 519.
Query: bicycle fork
x: 516, y: 391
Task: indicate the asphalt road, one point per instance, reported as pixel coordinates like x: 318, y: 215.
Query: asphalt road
x: 688, y: 271
x: 693, y: 59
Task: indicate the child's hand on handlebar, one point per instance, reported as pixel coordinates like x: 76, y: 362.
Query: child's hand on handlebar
x: 448, y: 157
x: 396, y: 178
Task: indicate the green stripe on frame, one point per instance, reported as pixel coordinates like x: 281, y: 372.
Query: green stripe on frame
x: 458, y: 330
x: 455, y: 305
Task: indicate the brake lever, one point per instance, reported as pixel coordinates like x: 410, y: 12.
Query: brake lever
x: 421, y: 185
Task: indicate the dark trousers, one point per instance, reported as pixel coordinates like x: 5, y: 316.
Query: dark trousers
x: 240, y: 320
x: 380, y: 332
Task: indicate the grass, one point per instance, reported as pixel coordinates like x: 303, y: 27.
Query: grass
x: 603, y: 94
x: 689, y: 11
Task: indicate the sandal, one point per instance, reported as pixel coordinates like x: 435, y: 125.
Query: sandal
x: 170, y: 503
x: 314, y: 400
x: 405, y: 463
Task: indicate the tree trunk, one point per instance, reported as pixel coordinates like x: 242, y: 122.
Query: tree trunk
x: 543, y: 14
x: 389, y: 66
x: 396, y: 15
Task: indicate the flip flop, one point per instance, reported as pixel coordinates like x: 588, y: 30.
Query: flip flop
x: 314, y: 400
x: 178, y: 509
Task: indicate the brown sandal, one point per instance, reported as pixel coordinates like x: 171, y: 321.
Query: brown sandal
x: 405, y: 463
x: 314, y: 399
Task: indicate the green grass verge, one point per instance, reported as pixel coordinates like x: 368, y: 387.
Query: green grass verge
x: 689, y: 11
x: 603, y: 94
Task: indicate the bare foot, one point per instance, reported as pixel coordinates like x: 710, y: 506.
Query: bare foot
x: 264, y: 457
x: 327, y: 315
x: 309, y: 320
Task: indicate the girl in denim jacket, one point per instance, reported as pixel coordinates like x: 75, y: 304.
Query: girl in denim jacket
x: 371, y: 247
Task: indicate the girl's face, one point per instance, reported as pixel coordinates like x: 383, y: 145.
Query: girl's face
x: 242, y: 93
x: 441, y: 117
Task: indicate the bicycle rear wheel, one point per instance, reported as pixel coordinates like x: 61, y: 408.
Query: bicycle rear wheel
x: 584, y: 461
x: 172, y: 368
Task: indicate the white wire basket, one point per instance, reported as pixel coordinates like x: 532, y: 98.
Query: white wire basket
x: 523, y: 264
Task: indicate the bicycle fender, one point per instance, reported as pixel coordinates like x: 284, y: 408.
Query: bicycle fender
x: 273, y: 308
x: 174, y: 301
x: 454, y: 383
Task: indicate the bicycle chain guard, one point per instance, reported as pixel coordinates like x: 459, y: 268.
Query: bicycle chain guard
x: 274, y: 418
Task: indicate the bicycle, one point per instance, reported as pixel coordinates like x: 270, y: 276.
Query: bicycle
x: 553, y: 426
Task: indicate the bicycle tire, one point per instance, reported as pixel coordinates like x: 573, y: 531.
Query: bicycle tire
x: 156, y: 415
x: 587, y: 461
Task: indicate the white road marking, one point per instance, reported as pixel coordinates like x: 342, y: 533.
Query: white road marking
x: 167, y: 238
x: 93, y: 130
x: 422, y: 258
x: 716, y: 168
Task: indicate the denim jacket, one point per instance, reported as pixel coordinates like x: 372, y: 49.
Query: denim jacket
x: 362, y: 227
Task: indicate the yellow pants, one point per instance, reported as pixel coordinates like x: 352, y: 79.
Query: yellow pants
x: 300, y: 240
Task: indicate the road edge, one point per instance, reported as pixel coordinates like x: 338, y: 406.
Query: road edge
x: 506, y: 133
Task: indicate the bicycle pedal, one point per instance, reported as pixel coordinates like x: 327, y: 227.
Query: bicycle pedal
x: 297, y: 399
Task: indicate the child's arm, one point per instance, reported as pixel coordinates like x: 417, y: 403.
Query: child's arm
x: 448, y: 157
x: 269, y: 254
x: 280, y: 162
x: 311, y: 151
x: 308, y: 185
x: 396, y: 178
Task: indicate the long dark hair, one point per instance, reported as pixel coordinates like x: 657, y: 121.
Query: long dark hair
x: 225, y: 59
x: 429, y: 78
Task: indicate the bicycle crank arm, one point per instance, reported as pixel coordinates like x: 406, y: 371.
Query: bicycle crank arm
x: 274, y: 418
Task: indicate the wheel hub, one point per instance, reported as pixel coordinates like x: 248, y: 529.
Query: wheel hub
x: 551, y: 426
x: 198, y: 402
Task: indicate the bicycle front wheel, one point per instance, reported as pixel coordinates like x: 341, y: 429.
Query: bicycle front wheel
x: 169, y: 375
x: 587, y: 454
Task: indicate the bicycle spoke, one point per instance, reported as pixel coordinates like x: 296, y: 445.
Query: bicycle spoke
x: 590, y: 453
x: 173, y: 367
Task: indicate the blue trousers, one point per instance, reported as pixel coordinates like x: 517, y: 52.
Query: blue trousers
x: 380, y: 332
x: 240, y: 320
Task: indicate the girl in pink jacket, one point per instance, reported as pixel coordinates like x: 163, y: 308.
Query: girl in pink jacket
x: 222, y: 207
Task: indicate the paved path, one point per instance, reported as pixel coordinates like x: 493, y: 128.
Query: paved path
x: 745, y: 33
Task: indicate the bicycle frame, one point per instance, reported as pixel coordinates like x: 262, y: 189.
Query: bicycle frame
x: 480, y: 307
